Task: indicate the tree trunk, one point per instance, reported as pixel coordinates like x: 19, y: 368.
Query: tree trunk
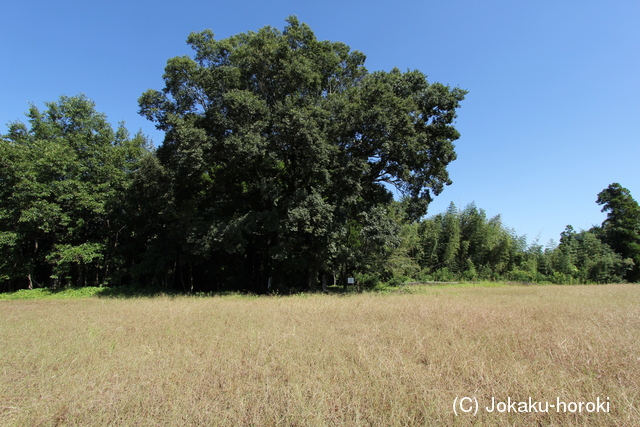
x: 190, y: 279
x: 312, y: 278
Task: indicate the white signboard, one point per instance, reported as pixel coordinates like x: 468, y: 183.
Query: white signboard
x: 351, y: 281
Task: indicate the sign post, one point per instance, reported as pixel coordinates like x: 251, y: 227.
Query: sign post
x: 351, y: 281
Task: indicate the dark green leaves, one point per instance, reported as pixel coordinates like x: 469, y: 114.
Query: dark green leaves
x: 621, y: 229
x: 280, y: 143
x: 60, y: 180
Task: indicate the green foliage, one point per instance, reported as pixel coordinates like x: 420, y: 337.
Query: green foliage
x: 621, y: 229
x: 467, y: 245
x: 277, y: 150
x: 586, y: 258
x: 402, y: 263
x: 274, y: 175
x: 46, y: 293
x: 60, y: 179
x: 444, y: 275
x: 366, y: 281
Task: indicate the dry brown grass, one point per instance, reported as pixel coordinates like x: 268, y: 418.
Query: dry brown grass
x: 374, y: 360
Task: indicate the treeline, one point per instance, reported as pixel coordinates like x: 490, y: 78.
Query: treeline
x: 63, y: 180
x: 273, y: 176
x: 466, y: 245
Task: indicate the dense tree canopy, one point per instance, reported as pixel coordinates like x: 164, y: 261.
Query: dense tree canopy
x: 621, y: 229
x: 275, y: 174
x: 61, y: 177
x: 466, y: 245
x: 278, y: 146
x: 585, y: 257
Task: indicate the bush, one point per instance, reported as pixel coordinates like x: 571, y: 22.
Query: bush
x: 522, y: 276
x: 367, y: 280
x: 398, y: 281
x: 561, y: 278
x: 444, y: 275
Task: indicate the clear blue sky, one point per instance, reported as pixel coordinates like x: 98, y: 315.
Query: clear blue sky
x: 550, y: 120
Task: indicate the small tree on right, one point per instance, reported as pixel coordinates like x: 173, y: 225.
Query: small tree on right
x: 621, y: 229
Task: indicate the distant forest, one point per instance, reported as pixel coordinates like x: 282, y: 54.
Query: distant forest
x: 273, y: 176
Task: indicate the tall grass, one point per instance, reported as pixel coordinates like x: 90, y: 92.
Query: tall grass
x: 368, y: 359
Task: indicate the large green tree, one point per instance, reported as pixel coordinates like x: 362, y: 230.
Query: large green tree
x: 61, y: 178
x: 279, y: 147
x: 621, y: 229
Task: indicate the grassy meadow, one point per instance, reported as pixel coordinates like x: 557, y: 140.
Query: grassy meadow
x: 375, y: 359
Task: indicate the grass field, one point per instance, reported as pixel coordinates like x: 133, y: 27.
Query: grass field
x: 393, y: 359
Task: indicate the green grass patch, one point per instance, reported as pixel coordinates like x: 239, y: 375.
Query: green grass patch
x: 131, y: 292
x: 46, y: 293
